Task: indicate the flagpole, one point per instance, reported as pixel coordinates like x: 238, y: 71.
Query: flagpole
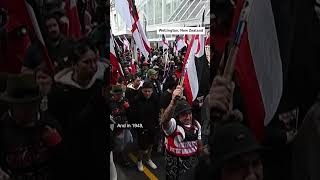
x: 186, y: 62
x: 117, y: 54
x: 232, y: 55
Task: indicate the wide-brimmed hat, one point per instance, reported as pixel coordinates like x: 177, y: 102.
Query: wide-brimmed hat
x: 181, y: 107
x: 116, y: 89
x: 21, y: 88
x: 229, y: 141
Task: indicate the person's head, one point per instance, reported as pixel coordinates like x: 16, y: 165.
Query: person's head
x: 43, y: 78
x: 145, y: 65
x: 157, y: 68
x: 84, y: 61
x: 117, y: 92
x: 121, y: 81
x: 235, y: 153
x: 174, y: 76
x: 23, y: 97
x: 223, y: 13
x: 147, y: 89
x: 52, y: 26
x: 126, y: 70
x: 136, y: 80
x: 183, y: 112
x: 172, y: 83
x: 152, y: 74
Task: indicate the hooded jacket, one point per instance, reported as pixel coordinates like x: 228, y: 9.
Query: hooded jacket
x: 68, y: 98
x: 81, y: 111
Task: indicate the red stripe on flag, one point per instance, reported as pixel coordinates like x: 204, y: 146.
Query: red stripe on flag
x: 249, y: 88
x: 187, y: 89
x: 245, y: 74
x: 146, y: 45
x: 74, y: 21
x: 186, y: 81
x: 36, y: 30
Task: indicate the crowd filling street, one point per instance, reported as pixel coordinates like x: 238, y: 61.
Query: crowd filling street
x: 77, y: 102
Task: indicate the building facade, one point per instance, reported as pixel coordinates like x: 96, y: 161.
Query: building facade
x: 163, y: 13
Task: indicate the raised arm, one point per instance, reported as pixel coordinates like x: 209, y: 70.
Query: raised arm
x: 169, y: 112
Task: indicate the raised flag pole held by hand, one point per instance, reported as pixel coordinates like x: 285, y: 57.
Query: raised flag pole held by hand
x: 230, y: 64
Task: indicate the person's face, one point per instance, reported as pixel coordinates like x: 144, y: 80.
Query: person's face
x: 245, y: 167
x: 174, y: 77
x: 147, y: 92
x: 117, y: 97
x: 136, y: 82
x: 44, y: 81
x: 145, y: 67
x: 126, y: 70
x: 53, y: 28
x: 186, y: 117
x: 24, y: 113
x: 87, y: 65
x: 154, y: 77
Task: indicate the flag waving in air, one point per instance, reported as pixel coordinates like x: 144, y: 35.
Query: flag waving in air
x: 179, y: 43
x: 165, y: 44
x: 126, y: 44
x: 74, y: 27
x: 23, y: 15
x: 186, y: 39
x: 129, y: 14
x: 258, y: 67
x: 116, y: 66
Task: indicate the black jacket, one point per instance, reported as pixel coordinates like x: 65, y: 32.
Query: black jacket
x: 306, y: 146
x: 83, y: 115
x: 146, y: 111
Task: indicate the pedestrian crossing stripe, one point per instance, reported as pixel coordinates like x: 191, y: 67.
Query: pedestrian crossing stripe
x: 146, y: 171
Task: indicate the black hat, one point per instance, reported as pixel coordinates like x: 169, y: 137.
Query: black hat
x: 147, y: 84
x: 21, y: 88
x: 182, y: 106
x: 116, y: 89
x: 230, y: 140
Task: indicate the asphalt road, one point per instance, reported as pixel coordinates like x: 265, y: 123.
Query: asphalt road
x: 131, y: 172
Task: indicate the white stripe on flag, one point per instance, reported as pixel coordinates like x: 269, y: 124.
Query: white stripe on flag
x: 265, y: 53
x: 122, y: 6
x: 192, y: 70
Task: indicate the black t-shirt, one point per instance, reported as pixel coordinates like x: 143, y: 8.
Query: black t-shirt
x: 165, y: 100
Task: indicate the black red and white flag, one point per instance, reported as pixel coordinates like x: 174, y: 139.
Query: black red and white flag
x: 129, y: 14
x: 116, y: 71
x: 22, y: 13
x: 258, y: 67
x: 164, y: 42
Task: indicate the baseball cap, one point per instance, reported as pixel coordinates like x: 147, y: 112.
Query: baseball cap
x: 152, y: 72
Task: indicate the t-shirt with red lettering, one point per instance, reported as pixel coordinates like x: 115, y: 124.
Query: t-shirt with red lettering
x: 181, y: 140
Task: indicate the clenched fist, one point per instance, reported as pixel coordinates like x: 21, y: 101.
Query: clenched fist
x: 177, y: 93
x: 221, y: 94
